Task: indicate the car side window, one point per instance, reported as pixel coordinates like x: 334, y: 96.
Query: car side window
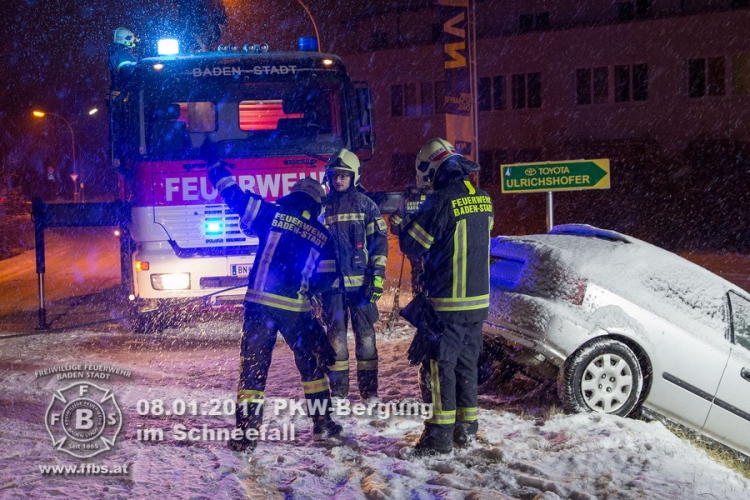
x: 740, y: 308
x: 504, y: 272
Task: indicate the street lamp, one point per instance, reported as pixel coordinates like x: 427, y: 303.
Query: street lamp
x: 77, y: 191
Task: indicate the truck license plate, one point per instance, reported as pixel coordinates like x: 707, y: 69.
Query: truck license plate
x: 241, y: 270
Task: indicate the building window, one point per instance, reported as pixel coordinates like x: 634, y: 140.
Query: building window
x: 634, y: 9
x: 592, y: 85
x: 541, y: 21
x: 526, y: 23
x: 410, y: 99
x: 533, y: 22
x: 427, y: 95
x: 631, y: 83
x: 404, y: 100
x: 491, y: 91
x: 741, y: 74
x: 740, y: 4
x: 526, y: 90
x: 706, y: 76
x: 498, y: 92
x: 397, y: 100
x: 484, y: 89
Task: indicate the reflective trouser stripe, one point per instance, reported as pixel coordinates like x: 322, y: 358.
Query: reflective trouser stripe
x: 340, y: 366
x: 466, y: 414
x: 439, y: 416
x: 443, y: 418
x: 315, y: 386
x: 250, y: 396
x: 367, y: 365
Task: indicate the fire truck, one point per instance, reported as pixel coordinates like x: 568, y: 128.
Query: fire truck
x: 274, y: 117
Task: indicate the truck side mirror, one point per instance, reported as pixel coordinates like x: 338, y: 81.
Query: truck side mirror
x: 364, y: 114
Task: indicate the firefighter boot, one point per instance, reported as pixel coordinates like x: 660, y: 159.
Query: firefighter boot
x: 464, y: 434
x: 435, y: 440
x: 338, y: 379
x: 325, y: 428
x: 367, y: 380
x: 250, y: 420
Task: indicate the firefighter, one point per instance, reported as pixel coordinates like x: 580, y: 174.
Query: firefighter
x: 122, y: 60
x: 451, y: 234
x: 414, y: 197
x: 295, y: 258
x: 361, y: 238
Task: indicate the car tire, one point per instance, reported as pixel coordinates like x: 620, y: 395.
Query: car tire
x: 605, y: 377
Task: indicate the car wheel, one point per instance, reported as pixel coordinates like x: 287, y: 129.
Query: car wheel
x: 603, y: 377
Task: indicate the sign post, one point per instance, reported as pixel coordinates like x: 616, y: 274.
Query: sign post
x: 74, y: 177
x: 553, y: 176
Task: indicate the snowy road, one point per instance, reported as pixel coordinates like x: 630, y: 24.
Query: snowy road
x: 527, y: 449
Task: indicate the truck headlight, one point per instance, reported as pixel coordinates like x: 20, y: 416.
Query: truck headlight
x: 171, y: 281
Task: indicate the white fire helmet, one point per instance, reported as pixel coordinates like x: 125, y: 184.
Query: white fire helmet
x: 430, y: 157
x: 126, y: 37
x: 311, y: 187
x: 345, y: 161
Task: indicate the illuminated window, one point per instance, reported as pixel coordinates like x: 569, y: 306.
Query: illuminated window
x: 263, y: 115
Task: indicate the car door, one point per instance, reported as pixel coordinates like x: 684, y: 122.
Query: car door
x: 729, y: 418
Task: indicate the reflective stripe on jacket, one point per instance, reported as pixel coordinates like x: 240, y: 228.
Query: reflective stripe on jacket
x: 452, y: 235
x: 295, y: 258
x: 360, y: 234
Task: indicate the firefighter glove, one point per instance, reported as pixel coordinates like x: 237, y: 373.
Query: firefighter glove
x: 376, y: 289
x: 217, y: 171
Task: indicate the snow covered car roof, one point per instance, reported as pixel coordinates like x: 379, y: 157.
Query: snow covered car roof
x: 554, y: 264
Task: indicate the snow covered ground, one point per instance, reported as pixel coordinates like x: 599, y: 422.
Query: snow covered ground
x: 526, y: 449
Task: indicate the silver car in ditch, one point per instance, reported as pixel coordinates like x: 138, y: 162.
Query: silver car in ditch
x: 623, y: 325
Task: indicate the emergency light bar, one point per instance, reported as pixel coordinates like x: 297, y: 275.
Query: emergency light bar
x: 168, y: 47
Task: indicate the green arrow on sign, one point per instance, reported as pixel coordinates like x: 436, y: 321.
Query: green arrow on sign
x: 555, y: 176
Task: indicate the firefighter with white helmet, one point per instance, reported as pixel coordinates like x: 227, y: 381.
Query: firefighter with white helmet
x: 433, y: 154
x: 451, y: 234
x: 360, y: 235
x: 122, y: 59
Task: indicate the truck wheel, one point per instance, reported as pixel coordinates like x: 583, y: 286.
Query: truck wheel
x: 603, y: 377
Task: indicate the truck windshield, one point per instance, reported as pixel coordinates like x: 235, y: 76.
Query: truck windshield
x: 243, y: 119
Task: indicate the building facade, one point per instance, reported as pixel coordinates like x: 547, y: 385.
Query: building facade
x: 660, y: 87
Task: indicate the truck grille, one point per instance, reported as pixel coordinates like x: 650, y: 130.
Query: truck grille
x: 200, y: 226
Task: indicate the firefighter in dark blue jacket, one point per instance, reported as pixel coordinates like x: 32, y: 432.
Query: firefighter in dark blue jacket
x: 295, y: 259
x: 122, y: 60
x: 361, y: 239
x: 451, y: 233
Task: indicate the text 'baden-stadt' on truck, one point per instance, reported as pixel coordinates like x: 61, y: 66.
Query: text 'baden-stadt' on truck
x: 276, y: 117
